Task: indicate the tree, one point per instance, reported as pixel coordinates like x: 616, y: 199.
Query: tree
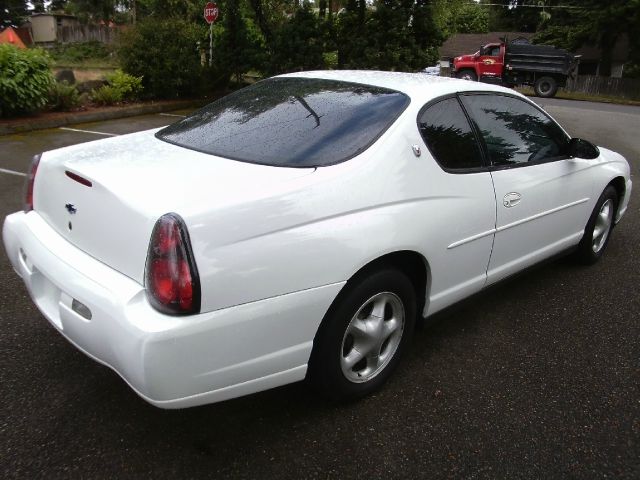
x: 465, y: 16
x: 517, y: 15
x: 238, y: 46
x: 396, y: 35
x: 57, y: 5
x: 299, y: 43
x: 12, y: 13
x: 93, y: 10
x: 597, y: 23
x: 189, y: 10
x: 351, y: 38
x: 38, y: 6
x: 164, y: 53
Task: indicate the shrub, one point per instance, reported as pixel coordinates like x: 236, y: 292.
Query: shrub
x: 63, y: 96
x: 129, y: 86
x: 25, y: 80
x: 90, y: 85
x: 165, y: 54
x: 121, y: 87
x: 106, y: 95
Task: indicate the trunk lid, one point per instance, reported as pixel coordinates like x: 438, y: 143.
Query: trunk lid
x: 135, y: 179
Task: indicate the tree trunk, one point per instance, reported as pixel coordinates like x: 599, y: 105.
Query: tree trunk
x: 607, y: 43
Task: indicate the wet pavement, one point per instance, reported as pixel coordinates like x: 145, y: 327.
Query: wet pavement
x: 539, y: 377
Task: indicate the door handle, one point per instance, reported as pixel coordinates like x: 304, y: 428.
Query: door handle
x: 511, y: 199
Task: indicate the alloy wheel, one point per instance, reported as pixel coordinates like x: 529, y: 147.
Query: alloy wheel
x: 372, y: 337
x: 601, y: 229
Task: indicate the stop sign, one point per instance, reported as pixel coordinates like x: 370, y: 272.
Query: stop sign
x: 211, y: 12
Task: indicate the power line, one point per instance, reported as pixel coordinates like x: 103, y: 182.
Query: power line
x: 568, y: 7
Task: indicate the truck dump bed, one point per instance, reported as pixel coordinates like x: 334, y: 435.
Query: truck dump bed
x: 539, y: 58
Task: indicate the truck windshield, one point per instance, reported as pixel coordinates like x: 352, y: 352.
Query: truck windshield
x: 290, y: 122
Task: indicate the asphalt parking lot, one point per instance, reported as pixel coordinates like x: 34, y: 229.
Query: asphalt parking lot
x: 538, y: 377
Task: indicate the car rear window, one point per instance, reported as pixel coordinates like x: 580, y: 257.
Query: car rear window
x: 290, y: 122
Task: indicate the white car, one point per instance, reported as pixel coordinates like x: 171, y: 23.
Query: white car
x: 435, y: 70
x: 299, y: 227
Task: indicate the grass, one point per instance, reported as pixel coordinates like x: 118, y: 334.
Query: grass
x: 562, y: 94
x: 84, y: 55
x: 89, y: 63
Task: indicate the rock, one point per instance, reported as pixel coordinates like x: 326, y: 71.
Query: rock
x: 66, y: 76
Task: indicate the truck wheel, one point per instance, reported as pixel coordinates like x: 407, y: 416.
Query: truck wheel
x: 546, y: 87
x: 467, y: 75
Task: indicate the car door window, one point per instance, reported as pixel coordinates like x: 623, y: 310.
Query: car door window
x: 514, y: 131
x: 448, y: 134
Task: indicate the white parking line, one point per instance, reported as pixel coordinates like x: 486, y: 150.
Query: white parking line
x: 11, y: 172
x: 89, y: 131
x: 172, y: 115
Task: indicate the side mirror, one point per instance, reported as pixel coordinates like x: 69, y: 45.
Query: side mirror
x: 482, y: 51
x: 583, y: 149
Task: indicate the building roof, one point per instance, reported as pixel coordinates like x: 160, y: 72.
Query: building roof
x: 467, y: 43
x: 52, y: 14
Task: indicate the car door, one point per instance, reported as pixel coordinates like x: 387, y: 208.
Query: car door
x: 491, y: 61
x: 460, y: 220
x: 542, y: 196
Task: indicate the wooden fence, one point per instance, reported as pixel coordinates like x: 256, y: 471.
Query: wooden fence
x: 85, y: 33
x: 613, y: 87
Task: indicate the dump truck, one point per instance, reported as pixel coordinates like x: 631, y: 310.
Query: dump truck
x: 544, y: 67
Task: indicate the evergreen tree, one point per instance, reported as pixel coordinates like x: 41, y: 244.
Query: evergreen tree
x: 596, y: 23
x: 351, y: 37
x: 464, y: 16
x: 396, y: 35
x: 516, y: 15
x: 299, y: 43
x: 57, y: 5
x: 12, y: 13
x: 237, y: 46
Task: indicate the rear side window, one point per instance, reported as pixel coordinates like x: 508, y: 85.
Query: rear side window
x: 446, y: 131
x: 514, y: 131
x: 291, y: 122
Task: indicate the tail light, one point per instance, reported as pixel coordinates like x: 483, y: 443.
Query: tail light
x: 31, y: 177
x: 171, y: 276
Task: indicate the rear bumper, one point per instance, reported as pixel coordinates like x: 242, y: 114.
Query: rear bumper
x: 171, y: 362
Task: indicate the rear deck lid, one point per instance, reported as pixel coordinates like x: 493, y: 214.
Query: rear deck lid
x: 105, y: 196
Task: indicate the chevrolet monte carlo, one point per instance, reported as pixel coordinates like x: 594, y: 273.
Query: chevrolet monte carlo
x: 299, y: 227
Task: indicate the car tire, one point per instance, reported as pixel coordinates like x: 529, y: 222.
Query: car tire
x: 598, y: 230
x: 467, y: 75
x: 363, y: 335
x: 546, y: 87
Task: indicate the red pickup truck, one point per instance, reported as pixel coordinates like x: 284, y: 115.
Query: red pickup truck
x: 518, y: 63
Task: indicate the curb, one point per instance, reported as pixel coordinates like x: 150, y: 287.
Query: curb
x: 29, y: 124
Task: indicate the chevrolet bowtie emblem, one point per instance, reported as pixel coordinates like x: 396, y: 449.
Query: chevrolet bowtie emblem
x: 71, y: 208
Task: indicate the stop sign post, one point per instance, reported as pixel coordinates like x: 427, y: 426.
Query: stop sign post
x: 211, y: 15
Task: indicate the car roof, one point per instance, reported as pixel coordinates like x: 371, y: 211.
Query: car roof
x: 418, y: 86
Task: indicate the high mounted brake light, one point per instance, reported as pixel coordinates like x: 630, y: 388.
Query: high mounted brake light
x: 31, y: 177
x: 171, y: 276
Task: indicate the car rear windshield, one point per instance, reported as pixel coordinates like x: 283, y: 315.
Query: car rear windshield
x: 290, y: 122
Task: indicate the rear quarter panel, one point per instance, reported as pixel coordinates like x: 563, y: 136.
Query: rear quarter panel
x: 328, y: 225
